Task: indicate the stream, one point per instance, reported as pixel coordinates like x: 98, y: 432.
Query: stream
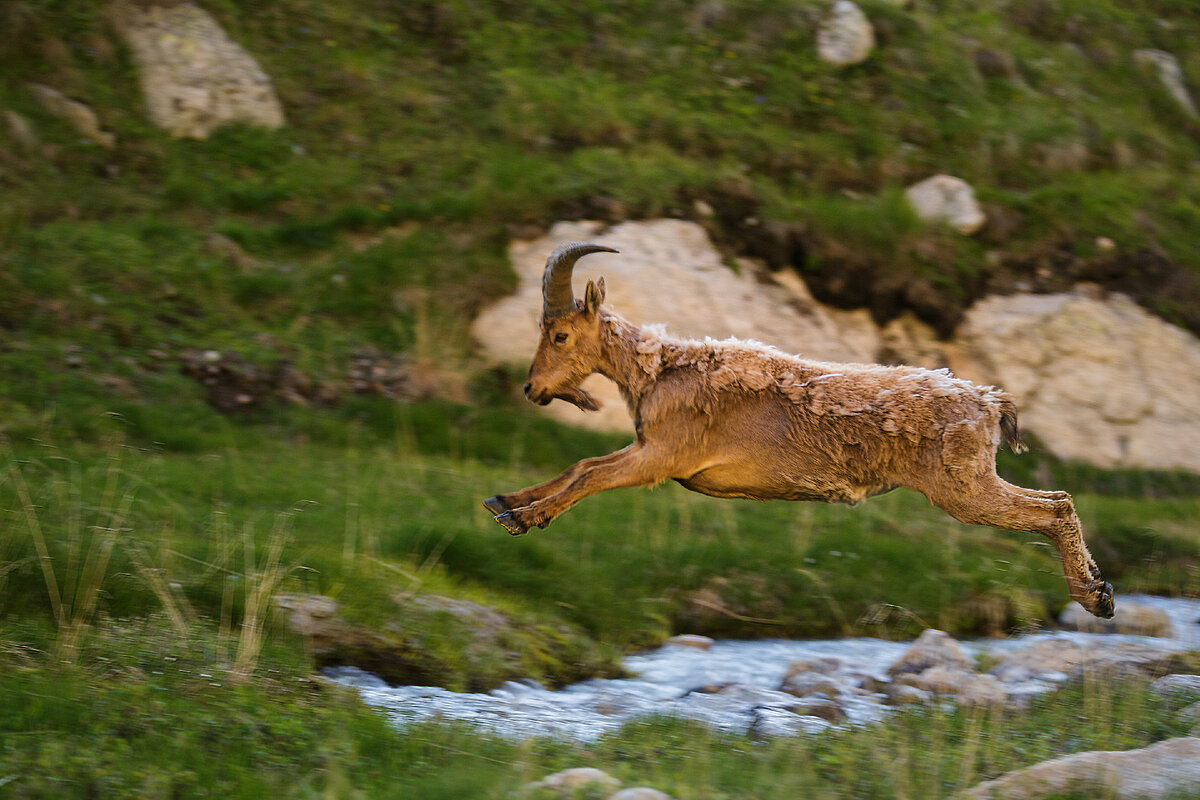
x: 734, y: 685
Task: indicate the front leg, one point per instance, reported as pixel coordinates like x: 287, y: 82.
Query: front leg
x: 500, y: 503
x: 636, y: 465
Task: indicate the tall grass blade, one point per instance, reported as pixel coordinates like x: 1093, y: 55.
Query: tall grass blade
x: 261, y: 585
x: 29, y: 511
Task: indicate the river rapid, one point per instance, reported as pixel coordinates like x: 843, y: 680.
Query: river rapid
x: 735, y: 685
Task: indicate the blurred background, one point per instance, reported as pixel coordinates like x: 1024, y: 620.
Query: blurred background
x: 268, y: 292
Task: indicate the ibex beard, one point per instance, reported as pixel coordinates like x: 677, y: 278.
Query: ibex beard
x: 740, y: 419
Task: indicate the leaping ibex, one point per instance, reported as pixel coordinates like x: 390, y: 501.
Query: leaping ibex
x: 740, y: 419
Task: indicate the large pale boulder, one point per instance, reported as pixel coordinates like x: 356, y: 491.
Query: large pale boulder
x: 668, y: 271
x: 1165, y: 769
x: 908, y: 340
x: 845, y: 36
x: 948, y: 200
x: 195, y: 78
x: 1097, y: 379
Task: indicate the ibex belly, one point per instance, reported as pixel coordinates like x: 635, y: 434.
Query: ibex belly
x: 750, y: 481
x: 753, y: 449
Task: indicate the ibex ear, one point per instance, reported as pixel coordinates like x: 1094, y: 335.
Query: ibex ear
x: 592, y: 297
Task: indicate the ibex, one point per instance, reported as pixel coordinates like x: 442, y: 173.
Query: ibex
x: 740, y: 419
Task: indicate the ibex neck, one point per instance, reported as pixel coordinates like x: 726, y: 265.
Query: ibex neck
x: 630, y: 356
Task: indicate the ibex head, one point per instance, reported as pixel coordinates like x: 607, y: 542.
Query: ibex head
x: 569, y: 349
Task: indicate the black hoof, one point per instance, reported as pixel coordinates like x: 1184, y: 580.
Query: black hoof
x: 510, y: 523
x: 1105, y: 608
x: 1102, y: 606
x: 495, y: 505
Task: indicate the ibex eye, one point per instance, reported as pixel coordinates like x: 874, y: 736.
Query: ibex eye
x: 559, y: 338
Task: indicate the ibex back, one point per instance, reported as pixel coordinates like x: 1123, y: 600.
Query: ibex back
x: 740, y: 419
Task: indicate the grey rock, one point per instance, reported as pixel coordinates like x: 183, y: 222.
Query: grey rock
x: 824, y: 708
x: 1013, y: 673
x: 1057, y: 659
x: 569, y: 780
x: 691, y: 640
x: 1177, y: 685
x: 946, y: 199
x: 770, y: 722
x: 639, y: 793
x: 1169, y: 768
x: 310, y: 615
x: 822, y: 665
x: 194, y: 77
x: 845, y: 36
x: 967, y: 688
x: 231, y: 252
x: 1130, y: 618
x: 79, y: 115
x: 932, y: 648
x: 21, y: 129
x: 803, y: 684
x: 1171, y: 75
x: 902, y: 694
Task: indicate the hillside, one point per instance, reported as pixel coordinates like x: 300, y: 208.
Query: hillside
x: 420, y: 138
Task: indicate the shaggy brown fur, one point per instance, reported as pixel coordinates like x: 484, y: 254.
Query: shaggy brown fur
x: 741, y: 419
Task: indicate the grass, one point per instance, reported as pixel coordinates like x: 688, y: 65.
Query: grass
x: 625, y: 568
x: 152, y: 719
x: 162, y: 645
x: 180, y: 682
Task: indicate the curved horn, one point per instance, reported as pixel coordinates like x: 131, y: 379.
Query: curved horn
x: 557, y: 297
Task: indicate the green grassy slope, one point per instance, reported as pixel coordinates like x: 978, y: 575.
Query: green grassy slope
x: 422, y: 136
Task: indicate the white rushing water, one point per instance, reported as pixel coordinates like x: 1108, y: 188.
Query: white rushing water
x: 732, y: 686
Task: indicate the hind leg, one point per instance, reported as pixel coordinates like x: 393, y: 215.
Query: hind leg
x: 992, y: 501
